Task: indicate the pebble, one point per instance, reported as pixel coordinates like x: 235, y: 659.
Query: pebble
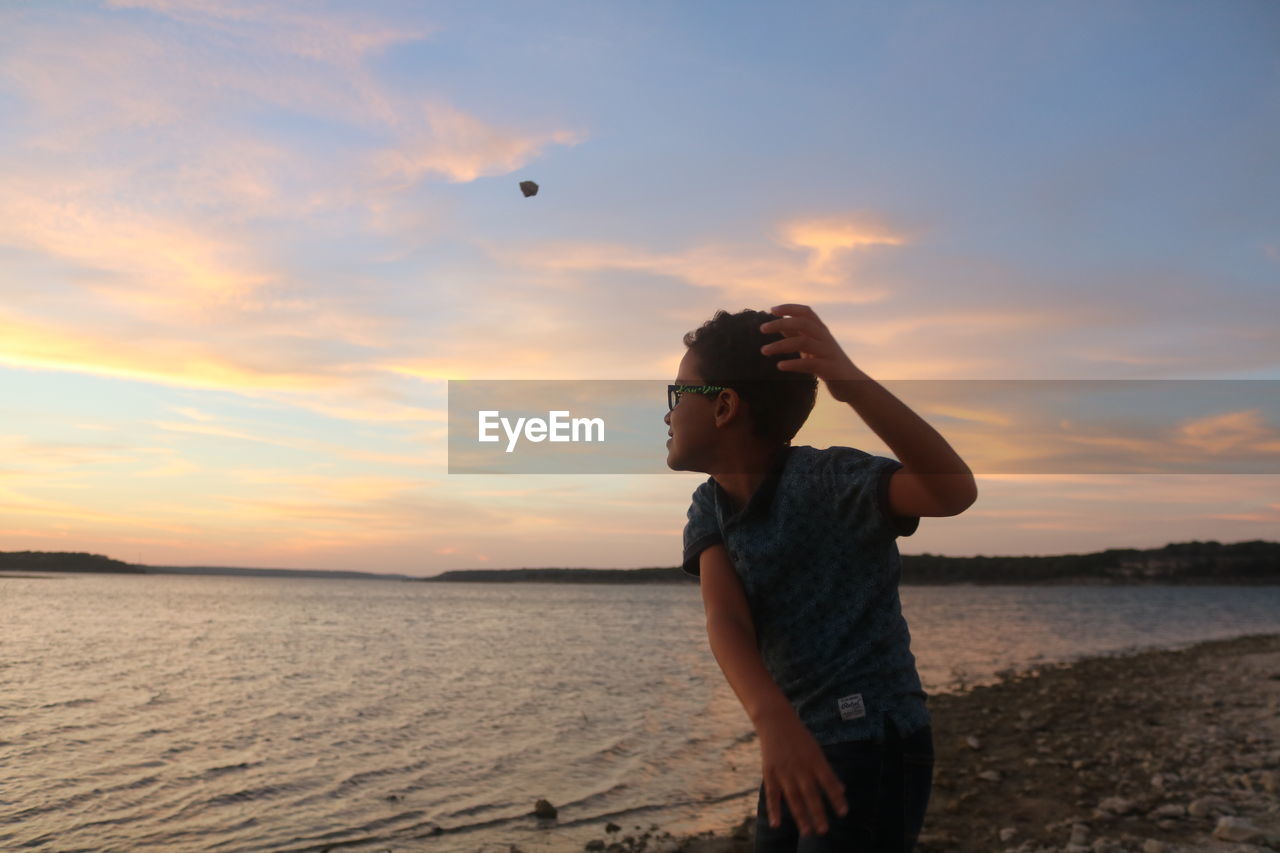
x: 1236, y: 829
x: 1169, y: 810
x: 1116, y: 805
x: 1207, y: 806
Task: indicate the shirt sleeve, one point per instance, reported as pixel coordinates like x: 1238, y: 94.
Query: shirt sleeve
x: 702, y: 530
x: 859, y: 483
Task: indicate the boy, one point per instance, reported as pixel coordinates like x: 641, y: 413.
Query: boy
x: 795, y: 551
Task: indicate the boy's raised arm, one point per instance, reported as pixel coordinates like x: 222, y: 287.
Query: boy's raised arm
x: 933, y: 480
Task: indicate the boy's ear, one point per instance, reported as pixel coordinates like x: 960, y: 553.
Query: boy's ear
x: 722, y: 406
x: 728, y: 406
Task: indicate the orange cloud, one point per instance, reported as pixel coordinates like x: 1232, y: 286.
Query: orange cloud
x: 1244, y: 431
x: 462, y: 148
x: 824, y: 239
x: 747, y: 273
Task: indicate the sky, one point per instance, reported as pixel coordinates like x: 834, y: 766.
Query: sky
x: 244, y: 246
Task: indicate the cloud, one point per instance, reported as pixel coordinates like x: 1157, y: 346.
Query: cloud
x: 193, y: 413
x: 327, y: 384
x: 1054, y: 427
x: 287, y: 26
x: 53, y: 456
x: 825, y: 239
x: 749, y: 273
x: 1246, y: 432
x: 145, y: 264
x: 461, y: 147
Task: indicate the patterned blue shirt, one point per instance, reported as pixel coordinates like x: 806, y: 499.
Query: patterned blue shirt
x: 814, y: 550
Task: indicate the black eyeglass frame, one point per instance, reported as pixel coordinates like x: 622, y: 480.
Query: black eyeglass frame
x: 674, y: 392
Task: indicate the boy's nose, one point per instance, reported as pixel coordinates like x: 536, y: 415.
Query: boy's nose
x: 666, y: 419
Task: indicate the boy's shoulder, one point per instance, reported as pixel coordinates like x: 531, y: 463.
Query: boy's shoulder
x: 808, y: 461
x: 819, y: 455
x: 807, y: 473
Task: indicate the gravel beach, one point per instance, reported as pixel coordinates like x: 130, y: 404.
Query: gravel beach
x: 1154, y: 752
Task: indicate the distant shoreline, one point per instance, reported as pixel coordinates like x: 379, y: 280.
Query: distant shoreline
x: 1252, y: 563
x: 55, y: 574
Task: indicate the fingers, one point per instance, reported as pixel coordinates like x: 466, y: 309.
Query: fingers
x: 773, y: 799
x: 793, y: 326
x: 798, y: 804
x: 834, y: 790
x: 804, y: 365
x: 794, y: 310
x: 801, y: 343
x: 804, y: 801
x: 811, y: 804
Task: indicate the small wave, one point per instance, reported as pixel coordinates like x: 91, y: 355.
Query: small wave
x: 361, y: 778
x: 70, y: 703
x: 137, y: 783
x: 263, y: 792
x: 151, y: 733
x: 475, y: 810
x: 214, y: 772
x: 58, y: 806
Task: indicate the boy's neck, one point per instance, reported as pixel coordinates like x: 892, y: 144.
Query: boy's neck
x: 744, y: 475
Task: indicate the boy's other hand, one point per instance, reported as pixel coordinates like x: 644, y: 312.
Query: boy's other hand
x: 795, y: 767
x: 819, y: 352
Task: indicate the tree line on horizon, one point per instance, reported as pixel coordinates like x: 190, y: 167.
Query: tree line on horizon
x: 1256, y: 561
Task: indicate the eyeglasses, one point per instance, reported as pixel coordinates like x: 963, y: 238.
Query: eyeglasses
x: 674, y: 392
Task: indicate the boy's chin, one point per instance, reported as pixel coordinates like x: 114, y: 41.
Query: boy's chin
x: 675, y: 463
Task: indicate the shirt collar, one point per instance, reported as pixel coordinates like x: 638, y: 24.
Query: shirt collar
x: 761, y: 498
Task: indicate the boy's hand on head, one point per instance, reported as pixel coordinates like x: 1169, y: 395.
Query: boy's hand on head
x: 819, y: 352
x: 795, y: 767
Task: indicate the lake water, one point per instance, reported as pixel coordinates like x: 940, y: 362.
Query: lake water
x: 168, y: 712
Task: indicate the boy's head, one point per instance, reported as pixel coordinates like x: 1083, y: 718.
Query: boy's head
x: 725, y: 351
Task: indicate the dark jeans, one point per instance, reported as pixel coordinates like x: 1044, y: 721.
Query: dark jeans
x: 886, y: 786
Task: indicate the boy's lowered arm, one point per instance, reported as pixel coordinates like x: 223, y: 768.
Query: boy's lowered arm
x: 933, y: 480
x: 732, y: 637
x: 794, y: 767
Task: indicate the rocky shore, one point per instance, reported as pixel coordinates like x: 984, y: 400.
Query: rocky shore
x: 1156, y: 752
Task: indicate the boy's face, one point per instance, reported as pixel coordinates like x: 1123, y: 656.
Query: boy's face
x: 692, y: 421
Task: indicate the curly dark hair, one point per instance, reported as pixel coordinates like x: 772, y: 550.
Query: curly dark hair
x: 728, y: 349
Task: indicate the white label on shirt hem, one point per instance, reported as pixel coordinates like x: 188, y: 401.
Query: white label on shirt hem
x: 851, y: 707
